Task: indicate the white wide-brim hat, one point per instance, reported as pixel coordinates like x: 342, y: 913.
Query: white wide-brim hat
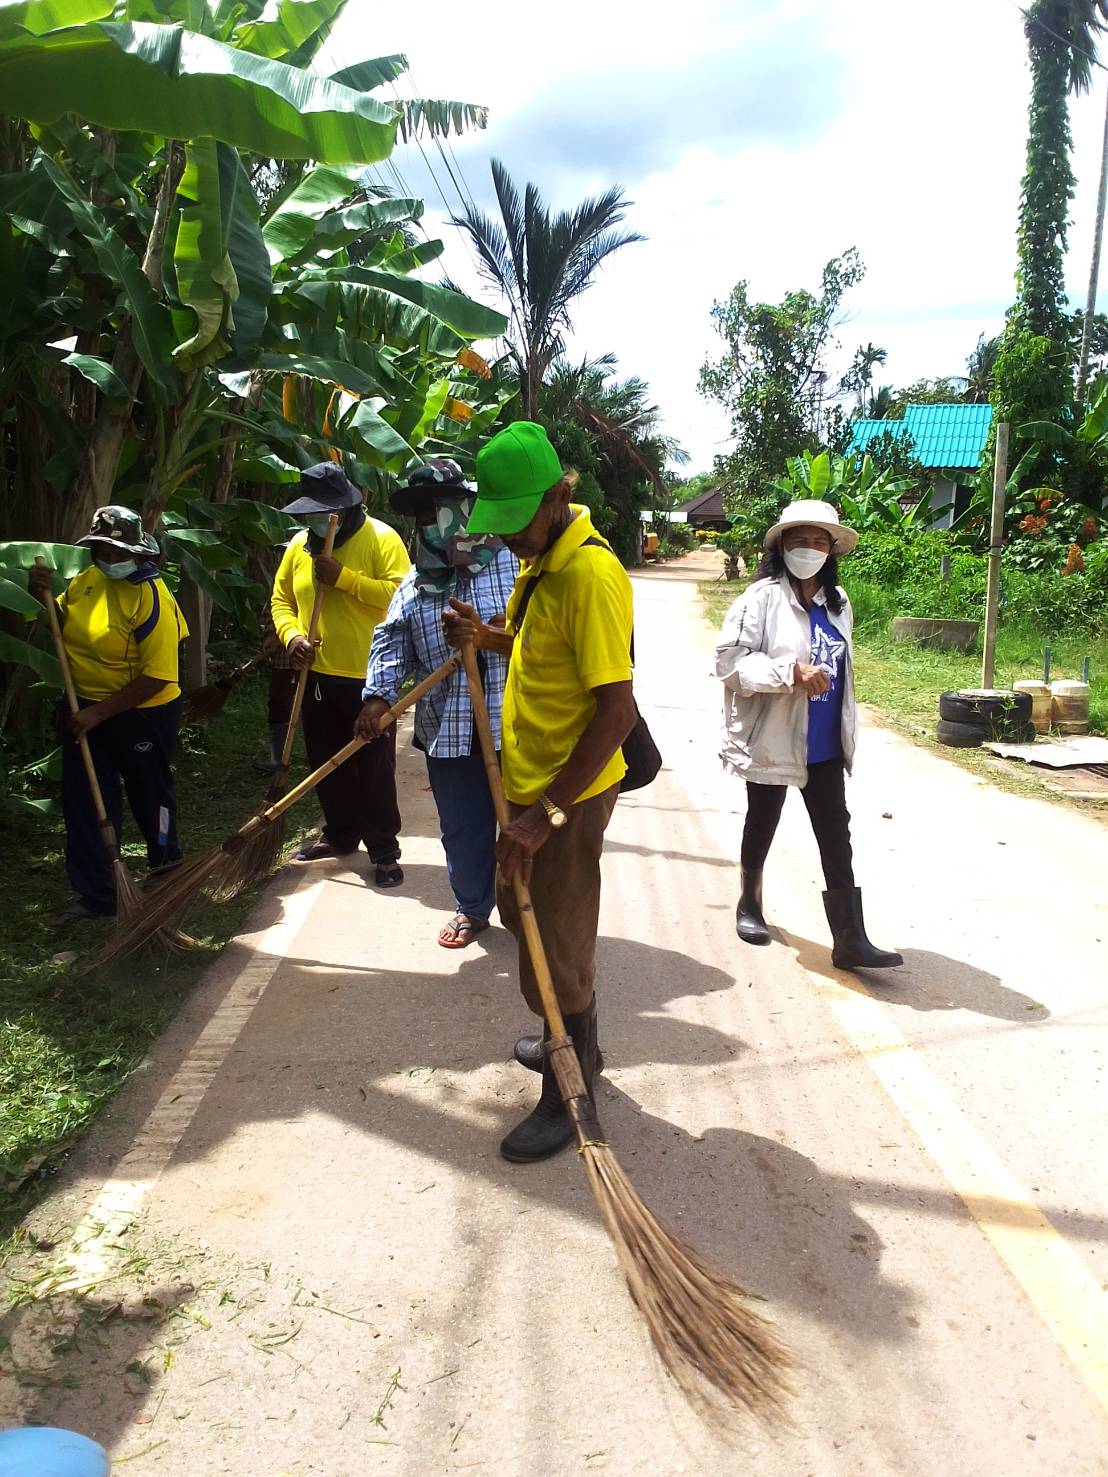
x: 810, y: 513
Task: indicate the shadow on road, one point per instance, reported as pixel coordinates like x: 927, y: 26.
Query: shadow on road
x: 930, y: 982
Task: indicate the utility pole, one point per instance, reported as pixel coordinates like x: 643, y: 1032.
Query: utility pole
x: 996, y: 543
x: 1094, y: 275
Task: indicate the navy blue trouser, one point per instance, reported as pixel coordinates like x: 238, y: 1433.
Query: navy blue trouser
x: 133, y: 752
x: 467, y: 822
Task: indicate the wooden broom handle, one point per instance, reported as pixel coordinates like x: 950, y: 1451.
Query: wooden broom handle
x: 543, y: 977
x: 75, y: 707
x: 313, y: 628
x: 310, y: 781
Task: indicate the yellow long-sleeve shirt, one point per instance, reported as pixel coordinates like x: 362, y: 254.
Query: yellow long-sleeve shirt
x: 374, y: 561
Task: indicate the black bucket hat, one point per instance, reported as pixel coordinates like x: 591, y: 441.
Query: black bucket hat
x: 324, y: 488
x: 439, y: 477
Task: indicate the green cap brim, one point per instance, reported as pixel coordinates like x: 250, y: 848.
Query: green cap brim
x: 503, y: 516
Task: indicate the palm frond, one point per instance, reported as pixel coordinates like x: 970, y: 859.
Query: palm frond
x: 423, y: 117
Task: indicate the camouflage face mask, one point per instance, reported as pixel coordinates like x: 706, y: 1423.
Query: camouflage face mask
x: 443, y: 547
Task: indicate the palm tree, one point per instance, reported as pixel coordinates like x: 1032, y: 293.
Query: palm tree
x: 616, y: 415
x: 1061, y: 42
x: 979, y: 370
x: 541, y: 263
x: 859, y: 377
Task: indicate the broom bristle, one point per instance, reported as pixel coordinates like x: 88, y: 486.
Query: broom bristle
x: 204, y: 703
x: 252, y: 862
x: 160, y: 907
x: 128, y: 899
x: 723, y: 1356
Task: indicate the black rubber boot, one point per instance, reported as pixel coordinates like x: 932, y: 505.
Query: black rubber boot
x: 749, y: 922
x: 530, y: 1053
x: 276, y: 744
x: 853, y: 949
x: 547, y: 1128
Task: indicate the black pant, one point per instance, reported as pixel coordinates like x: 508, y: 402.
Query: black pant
x: 131, y: 752
x: 282, y: 689
x: 825, y: 797
x: 359, y: 798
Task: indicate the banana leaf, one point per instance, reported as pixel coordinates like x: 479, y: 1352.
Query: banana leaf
x: 44, y: 663
x: 65, y: 559
x: 39, y: 16
x: 179, y: 84
x: 150, y: 324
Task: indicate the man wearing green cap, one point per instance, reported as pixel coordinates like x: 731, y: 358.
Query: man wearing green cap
x: 568, y: 706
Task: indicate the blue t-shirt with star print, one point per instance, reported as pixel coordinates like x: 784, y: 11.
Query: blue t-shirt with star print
x: 825, y: 712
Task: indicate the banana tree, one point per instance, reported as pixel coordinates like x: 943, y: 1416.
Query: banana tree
x: 155, y: 317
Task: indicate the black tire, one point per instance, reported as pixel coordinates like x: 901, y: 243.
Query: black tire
x: 960, y: 735
x: 989, y: 710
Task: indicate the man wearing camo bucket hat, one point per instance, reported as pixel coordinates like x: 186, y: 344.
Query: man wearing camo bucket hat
x: 121, y: 628
x: 409, y: 643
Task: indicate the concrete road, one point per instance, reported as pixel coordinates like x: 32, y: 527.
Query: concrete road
x: 297, y: 1250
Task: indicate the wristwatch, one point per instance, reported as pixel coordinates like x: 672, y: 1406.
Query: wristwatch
x: 554, y: 813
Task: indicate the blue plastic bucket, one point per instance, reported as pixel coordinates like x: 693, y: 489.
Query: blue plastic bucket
x: 44, y: 1451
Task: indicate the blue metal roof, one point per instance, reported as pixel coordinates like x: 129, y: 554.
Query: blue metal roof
x: 944, y: 435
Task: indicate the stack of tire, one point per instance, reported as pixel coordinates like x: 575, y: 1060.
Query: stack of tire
x: 971, y: 718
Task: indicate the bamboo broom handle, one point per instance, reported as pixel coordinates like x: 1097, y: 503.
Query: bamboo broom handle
x: 313, y: 628
x: 398, y: 709
x: 543, y: 978
x: 106, y: 828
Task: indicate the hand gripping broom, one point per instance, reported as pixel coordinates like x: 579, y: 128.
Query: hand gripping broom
x: 723, y: 1356
x: 163, y: 904
x: 128, y: 899
x: 258, y: 856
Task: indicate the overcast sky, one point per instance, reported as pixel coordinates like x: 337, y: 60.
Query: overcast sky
x: 757, y: 139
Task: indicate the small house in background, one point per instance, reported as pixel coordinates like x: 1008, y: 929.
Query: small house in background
x: 947, y: 438
x: 705, y: 511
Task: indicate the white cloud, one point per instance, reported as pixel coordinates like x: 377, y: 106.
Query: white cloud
x: 757, y: 139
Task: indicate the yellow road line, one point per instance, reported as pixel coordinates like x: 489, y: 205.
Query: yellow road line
x: 1062, y: 1289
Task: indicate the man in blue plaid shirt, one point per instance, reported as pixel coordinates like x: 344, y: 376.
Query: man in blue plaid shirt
x: 409, y: 642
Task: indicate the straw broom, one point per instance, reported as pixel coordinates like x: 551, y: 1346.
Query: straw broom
x: 723, y: 1356
x: 160, y: 906
x: 206, y: 702
x: 260, y: 855
x: 128, y: 899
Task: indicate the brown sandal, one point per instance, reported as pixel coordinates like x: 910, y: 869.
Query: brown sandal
x: 450, y: 935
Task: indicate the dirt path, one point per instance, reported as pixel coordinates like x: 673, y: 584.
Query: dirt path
x: 341, y: 1276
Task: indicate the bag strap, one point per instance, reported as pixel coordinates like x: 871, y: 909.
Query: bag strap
x: 525, y: 601
x: 599, y: 543
x: 525, y: 598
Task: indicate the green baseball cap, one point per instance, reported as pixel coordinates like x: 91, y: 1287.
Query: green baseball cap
x: 514, y: 470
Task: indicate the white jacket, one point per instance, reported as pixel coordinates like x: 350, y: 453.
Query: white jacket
x: 765, y: 718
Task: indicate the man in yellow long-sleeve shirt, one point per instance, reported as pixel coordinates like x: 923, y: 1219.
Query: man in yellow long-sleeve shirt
x: 359, y: 799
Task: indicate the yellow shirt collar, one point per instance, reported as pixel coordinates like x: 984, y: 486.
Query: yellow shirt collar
x: 571, y: 540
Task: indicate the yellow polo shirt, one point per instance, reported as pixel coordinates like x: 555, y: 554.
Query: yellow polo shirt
x: 116, y: 631
x: 374, y: 561
x: 576, y: 636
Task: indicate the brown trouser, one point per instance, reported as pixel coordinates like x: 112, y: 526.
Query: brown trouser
x: 565, y: 891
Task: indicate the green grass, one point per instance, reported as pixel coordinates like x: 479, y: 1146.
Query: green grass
x: 904, y: 680
x: 69, y: 1038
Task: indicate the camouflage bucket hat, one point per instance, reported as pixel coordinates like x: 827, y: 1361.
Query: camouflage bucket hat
x: 121, y: 527
x: 430, y: 481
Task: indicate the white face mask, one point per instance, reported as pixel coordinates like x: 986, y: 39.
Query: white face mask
x: 118, y: 571
x: 805, y: 564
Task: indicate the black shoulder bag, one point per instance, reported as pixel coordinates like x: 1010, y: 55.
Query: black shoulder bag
x: 640, y: 752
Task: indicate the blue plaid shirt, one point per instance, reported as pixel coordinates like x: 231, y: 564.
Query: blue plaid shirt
x: 409, y: 642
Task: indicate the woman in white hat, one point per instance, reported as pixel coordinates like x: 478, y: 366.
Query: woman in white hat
x: 785, y: 658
